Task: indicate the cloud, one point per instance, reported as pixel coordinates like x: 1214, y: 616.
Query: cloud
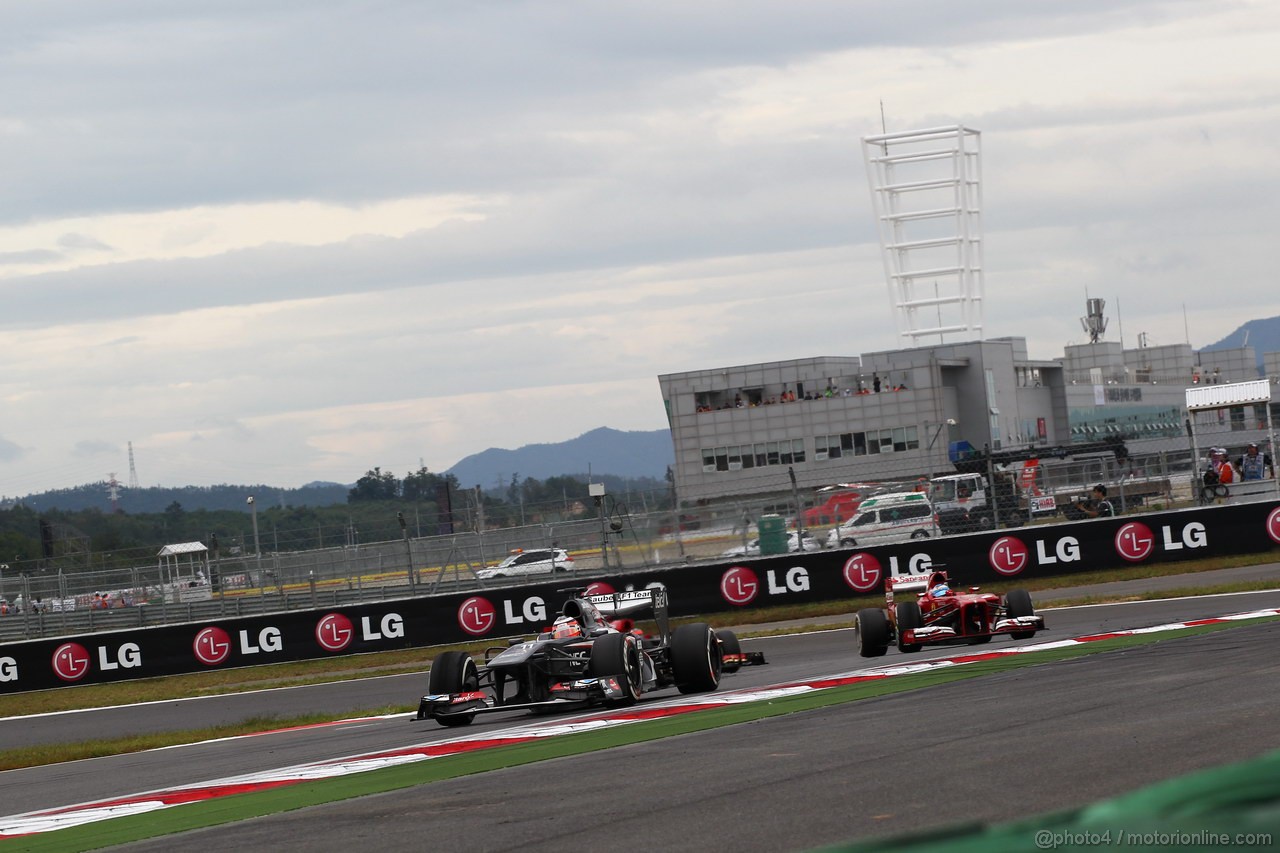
x: 281, y: 243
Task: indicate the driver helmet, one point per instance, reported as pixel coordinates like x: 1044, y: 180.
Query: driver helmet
x: 566, y: 626
x: 940, y: 590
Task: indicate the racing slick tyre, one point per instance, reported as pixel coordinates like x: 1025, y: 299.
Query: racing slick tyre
x: 920, y: 534
x: 729, y: 645
x: 696, y: 659
x: 453, y: 672
x: 618, y: 656
x: 907, y: 615
x: 873, y: 632
x: 1017, y: 602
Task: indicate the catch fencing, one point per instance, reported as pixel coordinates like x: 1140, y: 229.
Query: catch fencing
x: 38, y: 604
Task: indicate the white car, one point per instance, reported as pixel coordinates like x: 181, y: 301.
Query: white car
x: 539, y: 561
x: 882, y: 519
x: 794, y: 544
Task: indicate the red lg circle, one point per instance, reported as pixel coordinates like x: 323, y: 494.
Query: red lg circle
x: 1273, y: 524
x: 600, y: 588
x: 1135, y: 541
x: 862, y: 572
x: 334, y: 632
x: 477, y: 616
x: 71, y: 662
x: 739, y: 585
x: 1008, y: 555
x: 211, y: 646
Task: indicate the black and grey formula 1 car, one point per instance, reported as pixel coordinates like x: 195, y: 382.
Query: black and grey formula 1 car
x: 592, y: 655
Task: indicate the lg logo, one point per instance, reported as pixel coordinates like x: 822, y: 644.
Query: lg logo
x: 212, y: 646
x: 334, y: 632
x: 862, y: 572
x: 599, y: 588
x: 1273, y: 524
x: 1135, y: 542
x: 739, y: 585
x: 1008, y: 555
x: 71, y: 662
x: 477, y: 616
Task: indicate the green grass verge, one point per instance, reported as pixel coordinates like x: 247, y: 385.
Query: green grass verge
x: 246, y: 806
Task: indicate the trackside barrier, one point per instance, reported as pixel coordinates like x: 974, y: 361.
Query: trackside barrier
x: 409, y: 622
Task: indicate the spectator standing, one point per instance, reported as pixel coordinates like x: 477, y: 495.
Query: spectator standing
x: 1256, y: 466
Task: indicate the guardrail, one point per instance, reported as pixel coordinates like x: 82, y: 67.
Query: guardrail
x: 58, y: 604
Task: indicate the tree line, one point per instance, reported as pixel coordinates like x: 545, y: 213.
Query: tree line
x: 430, y: 504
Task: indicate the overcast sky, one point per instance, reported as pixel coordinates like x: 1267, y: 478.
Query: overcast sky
x: 278, y: 242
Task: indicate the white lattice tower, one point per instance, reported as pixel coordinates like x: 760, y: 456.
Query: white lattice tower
x: 926, y: 192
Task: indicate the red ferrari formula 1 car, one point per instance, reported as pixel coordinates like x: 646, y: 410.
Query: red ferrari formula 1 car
x: 941, y: 615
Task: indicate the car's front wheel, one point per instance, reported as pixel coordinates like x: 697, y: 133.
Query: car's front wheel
x: 729, y: 645
x: 872, y: 632
x: 453, y: 673
x: 617, y: 656
x: 696, y: 658
x: 907, y: 615
x: 1017, y: 602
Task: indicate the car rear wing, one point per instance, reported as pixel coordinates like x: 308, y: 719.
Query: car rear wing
x: 905, y: 583
x: 617, y: 605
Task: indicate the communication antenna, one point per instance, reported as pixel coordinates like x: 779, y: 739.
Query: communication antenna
x: 133, y: 469
x: 1094, y: 324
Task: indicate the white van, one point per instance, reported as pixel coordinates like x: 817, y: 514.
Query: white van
x: 894, y: 517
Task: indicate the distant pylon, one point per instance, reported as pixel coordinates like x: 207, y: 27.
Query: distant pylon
x: 133, y: 470
x: 113, y: 489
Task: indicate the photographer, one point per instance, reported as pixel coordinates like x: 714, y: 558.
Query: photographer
x: 1099, y: 506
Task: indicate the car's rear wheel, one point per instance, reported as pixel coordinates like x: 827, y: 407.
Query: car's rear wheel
x: 1017, y: 602
x: 729, y: 645
x: 848, y: 542
x: 920, y: 534
x: 872, y: 632
x: 907, y: 615
x: 617, y: 656
x: 696, y: 659
x: 452, y: 673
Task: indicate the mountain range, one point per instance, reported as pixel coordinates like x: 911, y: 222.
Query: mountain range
x: 600, y: 451
x: 1262, y: 334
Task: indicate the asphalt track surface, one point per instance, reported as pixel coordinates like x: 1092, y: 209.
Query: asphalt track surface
x: 994, y: 748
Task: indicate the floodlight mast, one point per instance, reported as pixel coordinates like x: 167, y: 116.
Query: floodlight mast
x: 926, y: 195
